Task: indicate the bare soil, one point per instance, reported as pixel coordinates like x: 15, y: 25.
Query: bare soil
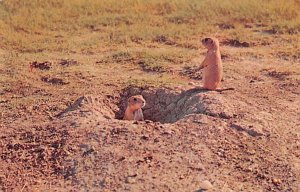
x: 247, y: 139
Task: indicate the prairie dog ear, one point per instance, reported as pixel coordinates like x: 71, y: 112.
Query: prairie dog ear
x: 208, y: 40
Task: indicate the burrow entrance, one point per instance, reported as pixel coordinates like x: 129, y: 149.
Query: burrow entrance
x: 162, y: 104
x: 168, y: 106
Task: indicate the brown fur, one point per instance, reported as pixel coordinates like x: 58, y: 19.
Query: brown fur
x: 212, y: 64
x: 134, y: 108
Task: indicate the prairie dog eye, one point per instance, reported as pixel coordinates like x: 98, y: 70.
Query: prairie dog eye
x: 134, y: 99
x: 206, y: 39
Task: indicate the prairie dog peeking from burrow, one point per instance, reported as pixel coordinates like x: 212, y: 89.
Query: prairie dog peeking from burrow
x: 134, y: 108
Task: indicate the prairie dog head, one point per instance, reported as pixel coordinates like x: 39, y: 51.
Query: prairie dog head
x: 136, y: 102
x: 210, y: 43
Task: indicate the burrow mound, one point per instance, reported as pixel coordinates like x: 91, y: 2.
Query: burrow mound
x: 168, y: 106
x: 162, y: 105
x: 97, y: 107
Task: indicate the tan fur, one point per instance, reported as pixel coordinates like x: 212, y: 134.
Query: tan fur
x: 212, y: 64
x: 134, y: 108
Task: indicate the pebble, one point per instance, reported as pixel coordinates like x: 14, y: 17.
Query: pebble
x: 130, y: 180
x: 167, y: 132
x: 206, y: 185
x: 248, y: 169
x: 148, y: 121
x: 276, y: 181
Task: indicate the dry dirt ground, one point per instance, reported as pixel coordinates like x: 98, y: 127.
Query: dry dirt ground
x: 60, y: 127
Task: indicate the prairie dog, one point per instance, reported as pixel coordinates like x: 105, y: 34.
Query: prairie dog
x: 212, y: 64
x: 134, y: 108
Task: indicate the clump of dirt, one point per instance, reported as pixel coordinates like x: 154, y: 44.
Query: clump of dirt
x: 163, y: 39
x: 151, y: 68
x: 67, y: 62
x: 168, y: 106
x: 291, y: 85
x: 236, y: 43
x: 191, y: 72
x: 54, y: 80
x: 276, y: 74
x: 225, y: 26
x: 101, y: 107
x: 46, y: 65
x: 248, y: 25
x: 287, y: 56
x: 122, y: 57
x: 270, y: 31
x: 160, y: 38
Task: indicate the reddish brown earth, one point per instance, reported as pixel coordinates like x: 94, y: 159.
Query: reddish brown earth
x: 242, y: 140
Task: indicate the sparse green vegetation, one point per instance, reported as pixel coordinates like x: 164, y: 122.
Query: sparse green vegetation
x: 65, y: 25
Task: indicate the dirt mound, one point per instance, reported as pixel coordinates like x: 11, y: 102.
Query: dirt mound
x: 67, y: 62
x: 197, y: 138
x: 168, y: 106
x: 192, y: 72
x: 53, y: 80
x: 236, y: 43
x: 162, y: 105
x: 89, y: 105
x: 40, y: 65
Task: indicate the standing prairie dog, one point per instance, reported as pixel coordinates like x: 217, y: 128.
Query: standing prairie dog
x: 212, y: 64
x: 134, y: 108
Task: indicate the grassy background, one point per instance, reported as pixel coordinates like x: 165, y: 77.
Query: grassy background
x: 82, y: 25
x: 155, y: 39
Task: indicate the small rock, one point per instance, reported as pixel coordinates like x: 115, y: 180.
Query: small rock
x: 251, y: 152
x: 228, y: 190
x: 145, y: 137
x: 276, y: 181
x: 167, y: 132
x: 248, y: 169
x: 84, y: 146
x: 206, y: 185
x: 132, y: 174
x: 130, y: 180
x: 121, y: 159
x: 192, y: 83
x: 148, y: 121
x: 197, y: 167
